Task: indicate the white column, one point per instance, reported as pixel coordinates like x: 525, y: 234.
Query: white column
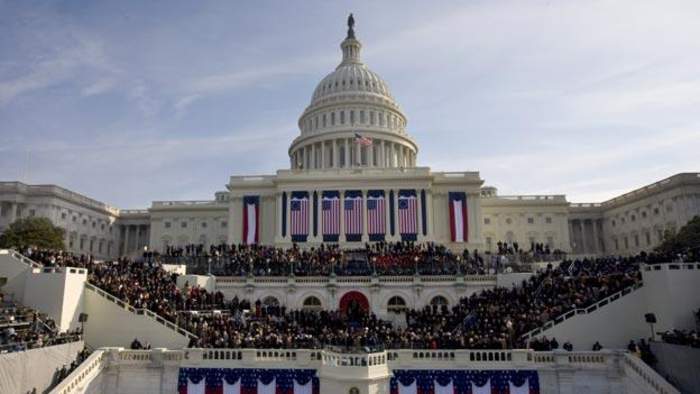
x: 395, y: 214
x: 334, y: 154
x: 313, y: 155
x: 348, y: 159
x: 382, y: 155
x: 583, y: 236
x: 429, y: 214
x: 370, y: 156
x: 323, y: 155
x: 419, y: 219
x: 387, y: 224
x: 319, y: 232
x: 278, y: 222
x: 595, y: 236
x: 358, y: 155
x: 127, y: 234
x: 287, y: 225
x: 365, y: 235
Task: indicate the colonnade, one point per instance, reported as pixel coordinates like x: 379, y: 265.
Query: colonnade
x: 346, y: 153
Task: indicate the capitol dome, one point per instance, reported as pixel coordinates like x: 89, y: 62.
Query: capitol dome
x: 352, y: 120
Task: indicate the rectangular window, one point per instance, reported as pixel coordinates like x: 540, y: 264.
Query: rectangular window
x: 636, y: 240
x: 352, y: 117
x: 342, y: 117
x: 362, y: 117
x: 183, y: 224
x: 548, y: 220
x: 372, y: 119
x: 530, y: 220
x: 648, y: 237
x: 487, y: 220
x: 324, y: 120
x: 617, y: 245
x: 627, y: 243
x: 224, y: 224
x: 204, y: 224
x: 332, y: 118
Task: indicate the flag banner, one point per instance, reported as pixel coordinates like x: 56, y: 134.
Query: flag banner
x: 251, y: 219
x: 364, y: 141
x: 353, y: 215
x: 330, y: 216
x: 315, y: 211
x: 392, y: 218
x: 458, y: 216
x: 247, y: 381
x: 408, y: 215
x: 376, y: 215
x: 443, y: 381
x: 299, y: 216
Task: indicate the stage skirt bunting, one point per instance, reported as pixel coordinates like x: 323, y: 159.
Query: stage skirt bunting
x: 330, y: 216
x: 408, y: 215
x: 251, y: 219
x: 353, y: 215
x: 423, y: 381
x: 459, y: 229
x: 299, y: 216
x: 247, y: 381
x: 376, y: 215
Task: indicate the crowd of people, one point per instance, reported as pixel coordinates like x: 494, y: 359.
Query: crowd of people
x: 23, y: 328
x: 381, y: 258
x: 495, y: 318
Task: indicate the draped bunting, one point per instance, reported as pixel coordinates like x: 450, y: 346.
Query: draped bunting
x: 251, y: 219
x: 423, y: 381
x: 247, y: 381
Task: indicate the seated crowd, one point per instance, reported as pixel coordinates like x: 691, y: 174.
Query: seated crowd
x: 381, y: 258
x: 493, y: 318
x: 23, y: 328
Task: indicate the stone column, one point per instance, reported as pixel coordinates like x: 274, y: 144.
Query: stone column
x: 288, y: 226
x: 358, y: 155
x: 419, y: 216
x: 365, y: 234
x: 334, y: 154
x: 429, y: 214
x: 583, y: 235
x: 370, y: 156
x: 348, y: 160
x: 387, y: 223
x: 278, y: 222
x: 127, y: 234
x: 596, y: 241
x: 313, y: 156
x: 382, y: 155
x: 319, y: 205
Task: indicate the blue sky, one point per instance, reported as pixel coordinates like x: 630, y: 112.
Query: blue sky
x: 132, y: 101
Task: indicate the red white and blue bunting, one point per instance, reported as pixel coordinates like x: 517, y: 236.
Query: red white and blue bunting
x: 247, y: 381
x: 251, y: 219
x: 459, y: 229
x: 422, y: 381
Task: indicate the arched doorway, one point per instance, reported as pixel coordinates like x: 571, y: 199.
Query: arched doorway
x: 354, y: 304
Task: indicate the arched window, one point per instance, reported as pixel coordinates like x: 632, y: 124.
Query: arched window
x: 396, y: 304
x: 312, y: 303
x: 270, y: 301
x: 439, y: 301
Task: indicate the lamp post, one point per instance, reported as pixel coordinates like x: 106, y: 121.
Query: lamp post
x: 415, y: 264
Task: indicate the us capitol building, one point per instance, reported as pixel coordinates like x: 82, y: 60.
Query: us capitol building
x: 354, y: 178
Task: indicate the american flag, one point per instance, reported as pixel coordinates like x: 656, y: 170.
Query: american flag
x: 353, y: 215
x: 299, y: 215
x: 376, y: 214
x: 408, y: 223
x: 364, y: 141
x: 330, y: 214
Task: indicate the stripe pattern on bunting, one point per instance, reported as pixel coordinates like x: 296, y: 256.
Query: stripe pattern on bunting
x: 458, y: 216
x: 422, y: 381
x: 330, y: 216
x: 247, y: 381
x: 408, y: 215
x: 376, y: 215
x: 251, y: 219
x: 353, y: 215
x: 299, y: 216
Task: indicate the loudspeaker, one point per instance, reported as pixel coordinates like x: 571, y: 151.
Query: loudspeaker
x: 82, y: 318
x: 650, y: 317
